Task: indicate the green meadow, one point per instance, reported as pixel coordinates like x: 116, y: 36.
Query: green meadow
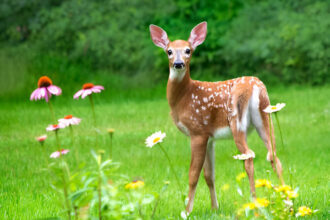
x: 25, y: 182
x: 284, y: 43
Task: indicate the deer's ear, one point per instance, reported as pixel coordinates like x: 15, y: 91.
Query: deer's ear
x: 159, y: 36
x: 198, y: 34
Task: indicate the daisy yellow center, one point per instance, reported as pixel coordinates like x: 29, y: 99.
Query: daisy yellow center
x: 44, y: 81
x: 156, y: 139
x: 88, y: 86
x: 68, y: 117
x: 55, y: 126
x: 274, y: 107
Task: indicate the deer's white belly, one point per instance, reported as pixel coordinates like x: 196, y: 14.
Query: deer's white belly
x: 183, y: 128
x: 222, y: 133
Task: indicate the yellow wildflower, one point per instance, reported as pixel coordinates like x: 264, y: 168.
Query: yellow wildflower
x: 111, y: 130
x: 291, y: 194
x: 263, y: 183
x: 225, y: 187
x: 249, y: 205
x: 304, y: 210
x: 134, y: 185
x: 283, y: 188
x: 261, y: 202
x: 240, y: 176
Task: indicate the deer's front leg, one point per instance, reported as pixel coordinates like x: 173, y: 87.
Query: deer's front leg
x: 198, y: 151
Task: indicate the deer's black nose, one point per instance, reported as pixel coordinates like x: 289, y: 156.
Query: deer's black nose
x: 178, y: 65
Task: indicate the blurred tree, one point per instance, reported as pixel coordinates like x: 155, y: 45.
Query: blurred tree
x: 279, y: 41
x: 285, y: 41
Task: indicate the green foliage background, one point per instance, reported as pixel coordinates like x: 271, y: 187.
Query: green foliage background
x: 282, y: 42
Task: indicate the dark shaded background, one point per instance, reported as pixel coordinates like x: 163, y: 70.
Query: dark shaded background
x: 108, y: 42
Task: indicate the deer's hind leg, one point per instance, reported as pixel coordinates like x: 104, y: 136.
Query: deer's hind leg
x: 261, y: 122
x: 239, y: 124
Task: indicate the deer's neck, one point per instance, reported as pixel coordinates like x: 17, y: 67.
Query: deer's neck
x: 178, y: 85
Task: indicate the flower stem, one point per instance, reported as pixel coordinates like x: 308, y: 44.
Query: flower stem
x: 65, y: 190
x: 72, y: 136
x: 51, y: 111
x: 94, y: 118
x: 57, y: 140
x: 279, y: 127
x: 173, y: 171
x: 271, y: 140
x: 99, y: 189
x: 111, y: 135
x: 72, y: 142
x: 93, y: 110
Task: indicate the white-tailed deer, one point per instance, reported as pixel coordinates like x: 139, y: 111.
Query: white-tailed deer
x: 206, y: 111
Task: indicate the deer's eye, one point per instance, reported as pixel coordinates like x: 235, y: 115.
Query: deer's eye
x: 169, y: 52
x: 187, y: 51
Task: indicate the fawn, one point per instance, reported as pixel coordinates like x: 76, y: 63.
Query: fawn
x: 207, y: 111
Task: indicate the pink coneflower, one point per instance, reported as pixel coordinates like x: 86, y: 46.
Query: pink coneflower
x: 58, y: 153
x: 54, y: 127
x: 41, y: 138
x: 87, y: 89
x: 45, y: 89
x: 69, y: 120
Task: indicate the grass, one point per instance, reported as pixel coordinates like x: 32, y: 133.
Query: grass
x: 25, y: 191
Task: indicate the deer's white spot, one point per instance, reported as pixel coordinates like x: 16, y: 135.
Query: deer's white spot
x: 209, y: 89
x: 203, y: 108
x: 205, y: 99
x: 197, y: 110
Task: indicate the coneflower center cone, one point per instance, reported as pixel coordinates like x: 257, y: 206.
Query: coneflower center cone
x: 88, y: 86
x: 44, y: 81
x: 68, y: 117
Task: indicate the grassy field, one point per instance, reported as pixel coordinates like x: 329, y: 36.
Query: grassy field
x: 25, y: 191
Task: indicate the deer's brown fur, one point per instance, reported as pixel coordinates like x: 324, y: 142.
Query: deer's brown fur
x: 206, y: 111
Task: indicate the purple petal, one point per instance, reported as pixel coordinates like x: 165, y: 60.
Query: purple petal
x: 95, y: 90
x: 37, y: 94
x: 77, y: 94
x: 86, y: 93
x: 42, y: 93
x: 54, y: 90
x: 47, y: 95
x: 98, y: 87
x: 55, y: 154
x: 34, y: 93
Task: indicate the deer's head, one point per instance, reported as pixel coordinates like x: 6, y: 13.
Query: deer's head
x: 179, y: 51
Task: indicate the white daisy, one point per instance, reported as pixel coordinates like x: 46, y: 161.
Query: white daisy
x: 155, y: 138
x: 274, y: 108
x: 184, y: 214
x: 245, y: 156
